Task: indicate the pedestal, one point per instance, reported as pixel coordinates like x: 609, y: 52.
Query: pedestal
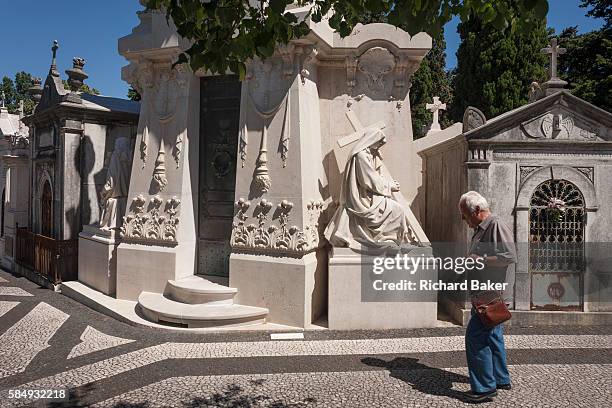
x: 348, y: 311
x: 98, y: 259
x: 290, y: 288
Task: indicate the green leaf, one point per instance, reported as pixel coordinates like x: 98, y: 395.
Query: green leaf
x: 541, y: 9
x: 277, y: 6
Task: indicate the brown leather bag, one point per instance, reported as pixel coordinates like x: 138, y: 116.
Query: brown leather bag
x: 491, y: 309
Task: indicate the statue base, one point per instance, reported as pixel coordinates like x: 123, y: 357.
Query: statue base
x: 292, y: 289
x: 98, y: 259
x: 351, y: 308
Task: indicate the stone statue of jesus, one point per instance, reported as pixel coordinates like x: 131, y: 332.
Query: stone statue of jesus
x: 369, y: 215
x: 113, y: 197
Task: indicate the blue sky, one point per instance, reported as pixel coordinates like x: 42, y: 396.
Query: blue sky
x: 90, y: 29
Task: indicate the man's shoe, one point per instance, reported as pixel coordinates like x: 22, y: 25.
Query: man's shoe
x: 506, y: 387
x: 479, y: 397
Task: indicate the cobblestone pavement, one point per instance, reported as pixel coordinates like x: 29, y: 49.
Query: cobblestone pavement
x: 48, y: 341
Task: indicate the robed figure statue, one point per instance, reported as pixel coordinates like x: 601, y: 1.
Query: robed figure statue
x: 113, y: 197
x: 369, y: 214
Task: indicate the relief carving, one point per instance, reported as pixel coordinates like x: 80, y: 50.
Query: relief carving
x: 351, y: 70
x: 267, y: 86
x: 525, y: 171
x: 286, y: 134
x: 472, y: 119
x: 243, y: 142
x: 589, y: 172
x: 558, y: 125
x: 161, y: 86
x: 280, y: 236
x: 553, y: 125
x: 155, y: 224
x: 405, y: 69
x: 376, y: 63
x: 261, y: 180
x: 159, y: 181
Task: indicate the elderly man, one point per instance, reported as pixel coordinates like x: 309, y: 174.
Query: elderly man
x: 493, y: 243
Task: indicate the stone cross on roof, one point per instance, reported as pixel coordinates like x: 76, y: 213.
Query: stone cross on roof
x: 53, y: 69
x: 554, y: 50
x: 3, y: 97
x: 434, y: 108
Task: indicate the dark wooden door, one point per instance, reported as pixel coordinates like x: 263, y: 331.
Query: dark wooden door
x: 219, y: 122
x: 46, y: 208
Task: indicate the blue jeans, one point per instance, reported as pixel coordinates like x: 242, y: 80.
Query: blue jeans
x: 486, y: 356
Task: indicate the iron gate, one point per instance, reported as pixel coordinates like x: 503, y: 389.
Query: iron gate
x: 557, y: 220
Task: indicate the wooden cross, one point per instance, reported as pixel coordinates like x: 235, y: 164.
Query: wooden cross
x: 554, y: 50
x: 358, y: 128
x: 434, y: 108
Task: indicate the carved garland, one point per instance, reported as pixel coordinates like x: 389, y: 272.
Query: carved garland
x: 153, y: 225
x: 159, y: 84
x: 279, y: 237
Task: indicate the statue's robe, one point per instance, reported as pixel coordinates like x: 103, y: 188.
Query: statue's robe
x: 115, y: 191
x: 368, y: 215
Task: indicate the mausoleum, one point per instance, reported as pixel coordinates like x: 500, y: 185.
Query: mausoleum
x: 545, y: 168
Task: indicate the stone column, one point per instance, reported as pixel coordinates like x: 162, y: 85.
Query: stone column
x: 159, y: 228
x: 275, y: 238
x: 69, y: 187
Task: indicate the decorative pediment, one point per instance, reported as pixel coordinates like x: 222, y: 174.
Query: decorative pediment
x: 560, y: 123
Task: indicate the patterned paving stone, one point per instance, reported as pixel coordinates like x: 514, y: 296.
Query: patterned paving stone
x: 28, y: 337
x: 350, y: 369
x: 13, y: 291
x: 93, y: 340
x: 534, y: 385
x: 5, y: 307
x: 116, y: 365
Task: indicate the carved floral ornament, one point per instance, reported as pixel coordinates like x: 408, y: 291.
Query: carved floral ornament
x: 156, y: 223
x: 279, y: 236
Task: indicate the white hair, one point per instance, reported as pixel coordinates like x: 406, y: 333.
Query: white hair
x: 473, y: 199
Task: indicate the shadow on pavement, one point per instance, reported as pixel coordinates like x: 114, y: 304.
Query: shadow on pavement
x: 428, y: 380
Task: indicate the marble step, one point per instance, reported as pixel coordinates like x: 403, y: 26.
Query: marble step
x: 159, y: 309
x: 196, y: 290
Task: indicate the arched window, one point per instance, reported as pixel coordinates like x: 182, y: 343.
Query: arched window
x: 46, y: 210
x: 557, y: 218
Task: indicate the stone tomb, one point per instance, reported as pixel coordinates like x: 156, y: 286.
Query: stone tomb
x: 242, y: 196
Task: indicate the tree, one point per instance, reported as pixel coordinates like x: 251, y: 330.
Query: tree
x: 431, y: 79
x: 83, y: 89
x: 16, y: 91
x: 599, y: 9
x: 495, y: 68
x: 587, y: 64
x: 226, y: 33
x: 133, y: 94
